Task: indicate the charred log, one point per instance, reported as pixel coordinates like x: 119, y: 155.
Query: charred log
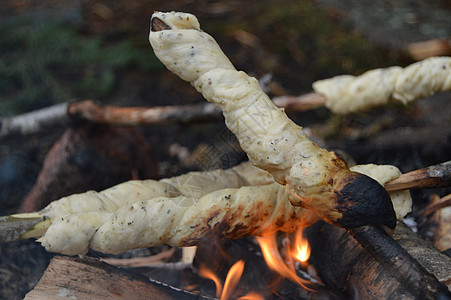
x: 349, y: 268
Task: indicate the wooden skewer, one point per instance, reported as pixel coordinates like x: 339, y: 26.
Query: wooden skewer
x: 430, y: 177
x: 436, y: 205
x: 140, y: 261
x: 22, y: 226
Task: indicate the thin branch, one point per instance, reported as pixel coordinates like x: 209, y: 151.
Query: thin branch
x: 17, y: 227
x: 140, y: 261
x: 63, y: 114
x: 300, y: 103
x: 35, y: 121
x: 436, y: 205
x: 430, y: 177
x: 92, y: 111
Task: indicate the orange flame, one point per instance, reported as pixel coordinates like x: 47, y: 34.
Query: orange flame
x: 275, y: 262
x: 232, y: 279
x: 206, y: 273
x: 302, y: 252
x: 252, y: 296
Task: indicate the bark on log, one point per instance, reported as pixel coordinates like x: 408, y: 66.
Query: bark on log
x: 347, y: 267
x: 85, y: 278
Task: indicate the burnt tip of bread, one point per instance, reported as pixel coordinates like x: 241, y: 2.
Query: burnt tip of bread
x: 363, y: 201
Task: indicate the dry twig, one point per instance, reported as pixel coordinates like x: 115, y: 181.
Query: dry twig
x: 140, y: 261
x: 430, y: 177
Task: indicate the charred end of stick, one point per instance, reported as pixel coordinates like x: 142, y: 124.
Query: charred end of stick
x: 157, y: 24
x: 363, y: 201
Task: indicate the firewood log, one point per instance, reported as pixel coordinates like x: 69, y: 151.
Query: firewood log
x: 345, y: 266
x: 87, y: 278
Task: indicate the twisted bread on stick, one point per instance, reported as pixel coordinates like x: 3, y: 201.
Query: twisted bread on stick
x: 191, y: 184
x: 346, y: 93
x: 89, y: 220
x: 318, y: 179
x: 148, y: 213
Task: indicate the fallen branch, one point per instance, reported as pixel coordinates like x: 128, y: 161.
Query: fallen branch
x: 92, y: 111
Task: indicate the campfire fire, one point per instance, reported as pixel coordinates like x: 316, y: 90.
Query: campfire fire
x: 302, y: 247
x: 296, y: 252
x: 299, y: 252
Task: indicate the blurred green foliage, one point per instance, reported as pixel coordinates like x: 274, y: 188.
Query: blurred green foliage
x: 43, y: 63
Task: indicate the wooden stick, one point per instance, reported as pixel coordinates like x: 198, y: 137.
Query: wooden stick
x: 63, y: 114
x: 35, y: 121
x: 92, y: 111
x: 17, y: 227
x: 425, y: 49
x: 140, y: 261
x: 429, y: 177
x: 434, y: 221
x: 436, y: 205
